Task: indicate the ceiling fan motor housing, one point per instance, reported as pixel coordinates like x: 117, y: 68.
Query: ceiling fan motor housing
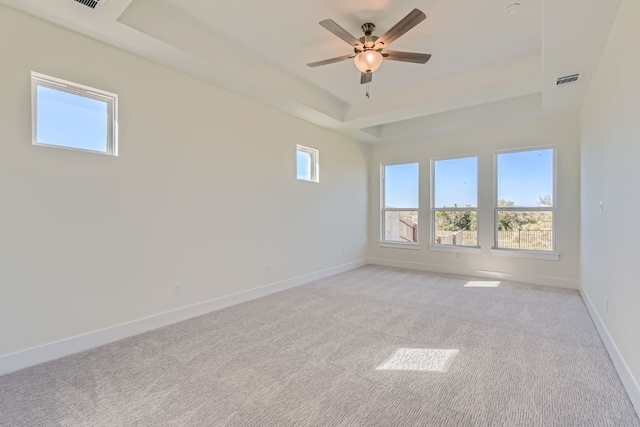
x: 367, y: 43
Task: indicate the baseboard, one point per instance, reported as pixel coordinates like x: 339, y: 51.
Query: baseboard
x: 628, y: 381
x: 54, y: 350
x: 496, y: 275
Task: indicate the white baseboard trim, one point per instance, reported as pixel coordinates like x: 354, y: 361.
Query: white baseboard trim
x: 628, y: 381
x: 54, y: 350
x: 496, y: 275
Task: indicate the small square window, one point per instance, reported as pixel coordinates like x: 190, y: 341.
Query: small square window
x: 69, y: 115
x: 307, y: 162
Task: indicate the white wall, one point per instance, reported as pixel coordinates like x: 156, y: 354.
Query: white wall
x: 203, y: 192
x: 559, y: 131
x: 610, y: 152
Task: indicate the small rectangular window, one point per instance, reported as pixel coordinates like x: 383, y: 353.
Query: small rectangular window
x: 400, y: 203
x: 455, y: 201
x: 70, y: 115
x: 307, y: 163
x: 525, y: 208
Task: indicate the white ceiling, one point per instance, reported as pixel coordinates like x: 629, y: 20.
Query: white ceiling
x: 486, y: 66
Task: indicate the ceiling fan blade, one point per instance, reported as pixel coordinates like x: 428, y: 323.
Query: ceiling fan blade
x: 330, y: 61
x: 394, y: 55
x: 336, y: 29
x: 408, y: 22
x: 365, y: 78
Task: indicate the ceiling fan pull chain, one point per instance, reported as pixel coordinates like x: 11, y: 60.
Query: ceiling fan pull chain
x: 367, y: 92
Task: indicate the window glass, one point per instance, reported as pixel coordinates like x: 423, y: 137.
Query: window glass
x: 455, y: 202
x: 401, y: 186
x: 456, y: 182
x: 307, y: 164
x: 400, y: 203
x: 525, y: 201
x: 73, y: 116
x: 304, y: 165
x: 525, y: 178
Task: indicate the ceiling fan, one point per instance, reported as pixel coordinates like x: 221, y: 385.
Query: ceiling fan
x: 369, y: 51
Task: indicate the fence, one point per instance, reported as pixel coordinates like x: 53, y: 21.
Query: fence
x: 398, y: 227
x: 533, y: 240
x: 458, y: 238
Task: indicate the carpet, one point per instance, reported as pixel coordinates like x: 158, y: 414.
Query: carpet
x: 374, y: 346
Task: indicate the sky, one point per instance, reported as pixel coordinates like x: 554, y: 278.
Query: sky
x: 303, y: 165
x: 401, y: 186
x: 456, y: 182
x: 523, y: 178
x: 71, y: 120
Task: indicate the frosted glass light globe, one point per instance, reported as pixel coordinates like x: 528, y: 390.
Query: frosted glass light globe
x: 368, y: 61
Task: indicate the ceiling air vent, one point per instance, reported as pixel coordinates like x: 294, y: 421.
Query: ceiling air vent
x: 92, y: 3
x: 571, y: 78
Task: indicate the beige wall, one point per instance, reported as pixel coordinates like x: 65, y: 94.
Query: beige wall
x: 610, y: 149
x: 559, y: 131
x: 203, y: 192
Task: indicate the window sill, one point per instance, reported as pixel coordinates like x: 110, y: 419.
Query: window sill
x: 412, y: 246
x: 455, y: 248
x: 515, y: 253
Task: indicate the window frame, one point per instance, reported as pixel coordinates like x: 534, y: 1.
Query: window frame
x: 433, y: 209
x: 55, y: 83
x: 526, y: 253
x: 314, y: 168
x: 384, y: 209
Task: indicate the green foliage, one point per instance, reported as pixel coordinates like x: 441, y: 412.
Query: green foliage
x: 521, y: 220
x: 456, y: 220
x: 514, y: 220
x: 507, y: 220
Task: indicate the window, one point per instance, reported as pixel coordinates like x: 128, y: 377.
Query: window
x: 307, y: 162
x: 69, y: 115
x: 455, y: 202
x: 525, y: 208
x: 400, y: 203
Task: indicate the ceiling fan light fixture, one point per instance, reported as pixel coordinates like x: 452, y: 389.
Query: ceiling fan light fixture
x: 368, y: 61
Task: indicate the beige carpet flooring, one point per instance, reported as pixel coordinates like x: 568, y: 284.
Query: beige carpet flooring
x: 454, y: 353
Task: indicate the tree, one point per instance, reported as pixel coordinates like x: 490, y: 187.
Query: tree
x: 517, y: 220
x: 545, y: 201
x: 456, y: 220
x: 514, y: 220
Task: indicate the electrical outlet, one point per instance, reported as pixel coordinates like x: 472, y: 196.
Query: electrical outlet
x: 606, y: 304
x: 601, y: 207
x: 267, y: 269
x: 177, y: 288
x: 344, y: 254
x: 457, y: 255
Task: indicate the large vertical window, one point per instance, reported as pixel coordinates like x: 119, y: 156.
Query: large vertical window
x: 70, y: 115
x: 400, y: 203
x: 525, y: 208
x: 455, y: 202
